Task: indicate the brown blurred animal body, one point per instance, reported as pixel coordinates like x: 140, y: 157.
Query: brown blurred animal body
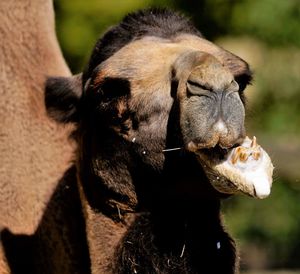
x: 35, y: 151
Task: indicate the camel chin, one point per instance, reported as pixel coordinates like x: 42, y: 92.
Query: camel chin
x: 246, y: 168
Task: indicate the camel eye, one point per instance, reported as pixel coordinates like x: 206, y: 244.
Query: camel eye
x: 195, y: 88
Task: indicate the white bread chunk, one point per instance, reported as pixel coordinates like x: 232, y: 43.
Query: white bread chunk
x: 246, y: 168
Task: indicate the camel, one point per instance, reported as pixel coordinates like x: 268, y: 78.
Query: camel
x: 159, y: 122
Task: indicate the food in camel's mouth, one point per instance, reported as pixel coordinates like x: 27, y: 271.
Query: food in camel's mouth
x: 246, y: 168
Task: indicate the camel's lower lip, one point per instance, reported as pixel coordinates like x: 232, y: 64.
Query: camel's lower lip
x: 213, y: 156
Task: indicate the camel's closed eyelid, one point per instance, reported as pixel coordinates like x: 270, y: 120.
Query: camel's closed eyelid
x: 194, y: 88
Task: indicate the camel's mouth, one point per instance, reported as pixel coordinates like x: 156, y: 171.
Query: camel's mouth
x: 246, y: 168
x: 216, y: 153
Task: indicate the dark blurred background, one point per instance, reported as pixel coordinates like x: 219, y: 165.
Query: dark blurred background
x: 265, y: 33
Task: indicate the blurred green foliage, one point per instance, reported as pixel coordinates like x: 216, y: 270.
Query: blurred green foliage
x: 266, y: 33
x: 272, y: 224
x: 279, y: 85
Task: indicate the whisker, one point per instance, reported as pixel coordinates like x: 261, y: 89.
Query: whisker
x: 171, y: 149
x: 182, y: 251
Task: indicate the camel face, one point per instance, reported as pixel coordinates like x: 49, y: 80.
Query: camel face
x: 146, y: 110
x: 158, y: 74
x: 156, y: 95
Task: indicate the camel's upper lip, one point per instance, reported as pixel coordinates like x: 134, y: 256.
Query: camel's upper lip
x: 212, y: 145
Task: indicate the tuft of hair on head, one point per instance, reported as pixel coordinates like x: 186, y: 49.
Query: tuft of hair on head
x: 156, y: 22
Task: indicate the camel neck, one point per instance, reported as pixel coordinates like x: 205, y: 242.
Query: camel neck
x: 168, y: 238
x: 177, y: 242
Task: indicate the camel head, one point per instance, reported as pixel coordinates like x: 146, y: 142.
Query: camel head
x: 159, y: 111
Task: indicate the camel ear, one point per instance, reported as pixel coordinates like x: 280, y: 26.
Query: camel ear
x: 62, y: 96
